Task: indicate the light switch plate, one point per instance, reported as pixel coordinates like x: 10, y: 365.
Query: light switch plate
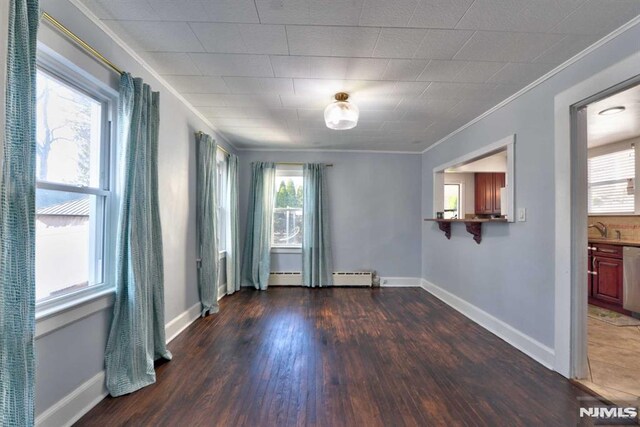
x: 522, y: 214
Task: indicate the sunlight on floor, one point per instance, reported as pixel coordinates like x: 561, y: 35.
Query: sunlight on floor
x: 614, y: 360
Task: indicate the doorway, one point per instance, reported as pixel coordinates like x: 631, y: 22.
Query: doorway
x: 605, y: 132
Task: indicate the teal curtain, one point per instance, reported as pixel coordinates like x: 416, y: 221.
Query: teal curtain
x: 17, y: 219
x: 317, y: 262
x: 136, y: 337
x: 233, y: 252
x: 256, y: 259
x: 207, y: 223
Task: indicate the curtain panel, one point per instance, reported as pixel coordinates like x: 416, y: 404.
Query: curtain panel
x: 17, y: 219
x: 256, y: 260
x: 207, y: 223
x: 233, y: 251
x: 317, y: 261
x: 137, y: 336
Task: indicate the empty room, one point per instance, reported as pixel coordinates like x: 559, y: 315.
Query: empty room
x: 319, y: 212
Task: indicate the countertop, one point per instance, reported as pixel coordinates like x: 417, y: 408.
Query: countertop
x: 615, y: 242
x: 477, y: 220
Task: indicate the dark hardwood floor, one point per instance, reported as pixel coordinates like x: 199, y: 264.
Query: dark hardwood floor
x: 343, y: 357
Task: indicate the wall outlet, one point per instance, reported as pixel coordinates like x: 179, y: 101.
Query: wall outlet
x: 522, y: 214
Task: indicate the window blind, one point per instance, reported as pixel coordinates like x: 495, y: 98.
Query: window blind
x: 611, y: 183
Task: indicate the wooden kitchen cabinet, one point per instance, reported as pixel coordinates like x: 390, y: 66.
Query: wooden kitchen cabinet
x: 487, y: 192
x: 606, y: 282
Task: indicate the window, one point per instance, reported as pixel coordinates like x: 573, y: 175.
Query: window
x: 72, y: 186
x: 451, y: 201
x: 287, y: 215
x: 612, y: 183
x: 223, y: 199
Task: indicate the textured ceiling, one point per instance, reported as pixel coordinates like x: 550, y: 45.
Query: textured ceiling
x: 262, y: 71
x: 606, y: 129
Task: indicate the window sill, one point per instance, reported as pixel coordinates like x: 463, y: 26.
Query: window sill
x: 286, y: 250
x: 53, y: 317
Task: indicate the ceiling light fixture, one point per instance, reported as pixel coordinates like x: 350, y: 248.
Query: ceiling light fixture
x: 612, y: 110
x: 341, y: 114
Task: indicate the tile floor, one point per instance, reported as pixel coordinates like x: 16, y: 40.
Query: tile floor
x: 614, y: 361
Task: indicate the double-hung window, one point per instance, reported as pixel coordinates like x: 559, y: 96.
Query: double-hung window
x: 287, y: 214
x: 73, y: 186
x: 452, y: 201
x: 612, y: 182
x: 222, y: 164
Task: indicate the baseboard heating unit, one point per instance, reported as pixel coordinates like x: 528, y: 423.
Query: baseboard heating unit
x: 340, y: 278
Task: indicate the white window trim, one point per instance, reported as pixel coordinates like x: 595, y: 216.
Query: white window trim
x: 461, y: 206
x: 72, y: 311
x: 286, y: 249
x: 223, y: 213
x: 57, y: 312
x: 286, y: 170
x: 507, y: 143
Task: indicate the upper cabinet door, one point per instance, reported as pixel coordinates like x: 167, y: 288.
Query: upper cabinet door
x: 487, y: 192
x: 484, y: 193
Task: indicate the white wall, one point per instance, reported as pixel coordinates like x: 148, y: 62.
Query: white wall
x: 494, y: 163
x: 511, y: 274
x: 612, y: 147
x: 374, y: 202
x: 70, y: 356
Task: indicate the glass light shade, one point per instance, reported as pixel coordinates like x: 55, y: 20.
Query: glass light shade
x: 341, y: 115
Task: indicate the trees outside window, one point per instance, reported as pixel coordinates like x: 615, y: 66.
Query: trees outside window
x: 287, y: 216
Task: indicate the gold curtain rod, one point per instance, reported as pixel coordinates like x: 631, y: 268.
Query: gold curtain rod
x: 219, y: 147
x: 86, y: 46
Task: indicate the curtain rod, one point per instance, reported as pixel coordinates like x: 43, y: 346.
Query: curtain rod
x: 219, y: 147
x: 86, y: 46
x: 330, y: 165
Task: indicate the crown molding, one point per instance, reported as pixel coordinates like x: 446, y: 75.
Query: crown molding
x: 319, y: 150
x: 131, y: 52
x: 635, y: 21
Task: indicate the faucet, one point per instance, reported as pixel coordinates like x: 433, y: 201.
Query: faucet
x: 601, y: 228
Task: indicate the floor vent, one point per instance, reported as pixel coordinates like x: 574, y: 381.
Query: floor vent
x: 340, y: 278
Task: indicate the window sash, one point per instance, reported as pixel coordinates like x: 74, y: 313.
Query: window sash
x: 449, y: 213
x: 222, y: 163
x: 609, y: 175
x: 283, y: 173
x: 101, y: 226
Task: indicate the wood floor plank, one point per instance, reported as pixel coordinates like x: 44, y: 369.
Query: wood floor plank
x: 343, y: 357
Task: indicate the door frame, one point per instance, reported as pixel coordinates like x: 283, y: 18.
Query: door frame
x: 571, y: 221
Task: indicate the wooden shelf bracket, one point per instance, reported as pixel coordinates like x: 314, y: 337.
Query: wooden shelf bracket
x: 446, y: 227
x: 475, y: 228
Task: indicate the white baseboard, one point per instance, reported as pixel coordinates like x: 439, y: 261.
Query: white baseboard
x: 222, y: 291
x: 529, y: 346
x: 74, y: 405
x: 182, y: 322
x: 400, y: 282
